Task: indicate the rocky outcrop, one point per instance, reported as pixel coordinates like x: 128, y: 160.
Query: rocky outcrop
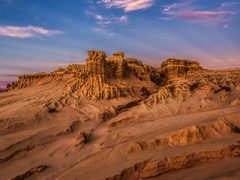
x: 236, y: 101
x: 118, y: 65
x: 69, y: 129
x: 139, y: 69
x: 56, y: 117
x: 210, y: 89
x: 101, y: 78
x: 96, y: 66
x: 29, y: 80
x: 148, y: 169
x: 100, y: 72
x: 173, y: 68
x: 178, y: 162
x: 30, y: 172
x: 118, y: 76
x: 189, y: 135
x: 82, y: 138
x: 179, y: 90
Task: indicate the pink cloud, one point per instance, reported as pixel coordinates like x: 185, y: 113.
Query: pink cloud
x: 192, y: 15
x: 205, y: 17
x: 189, y: 11
x: 26, y: 31
x: 128, y: 5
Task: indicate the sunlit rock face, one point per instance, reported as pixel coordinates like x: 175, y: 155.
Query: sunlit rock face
x: 96, y: 65
x: 153, y: 122
x: 118, y: 76
x: 118, y: 65
x: 29, y: 80
x: 101, y: 78
x: 173, y: 68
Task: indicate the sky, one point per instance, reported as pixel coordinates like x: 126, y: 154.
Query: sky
x: 41, y: 35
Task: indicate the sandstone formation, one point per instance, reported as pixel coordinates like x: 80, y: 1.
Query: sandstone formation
x: 119, y: 118
x: 173, y: 68
x: 101, y: 78
x: 30, y: 172
x: 113, y: 77
x: 189, y: 135
x: 29, y: 80
x: 144, y: 170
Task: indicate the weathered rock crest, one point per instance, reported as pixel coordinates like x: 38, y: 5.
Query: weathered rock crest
x: 117, y: 76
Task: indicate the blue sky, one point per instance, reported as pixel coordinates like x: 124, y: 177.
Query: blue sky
x: 40, y: 35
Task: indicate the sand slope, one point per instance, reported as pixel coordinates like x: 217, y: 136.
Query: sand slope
x: 177, y: 122
x: 75, y: 142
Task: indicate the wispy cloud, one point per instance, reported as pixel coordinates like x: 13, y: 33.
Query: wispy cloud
x: 107, y: 20
x: 128, y: 5
x: 104, y: 32
x: 229, y: 4
x: 179, y: 5
x: 211, y: 18
x: 188, y: 12
x: 26, y: 31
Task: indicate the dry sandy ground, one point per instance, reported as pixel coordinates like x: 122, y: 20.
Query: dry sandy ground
x: 113, y: 140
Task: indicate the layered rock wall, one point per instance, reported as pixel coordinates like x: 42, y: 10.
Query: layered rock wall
x: 105, y: 77
x: 96, y: 65
x: 29, y: 80
x: 173, y: 68
x: 118, y: 65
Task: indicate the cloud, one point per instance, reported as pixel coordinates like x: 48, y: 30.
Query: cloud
x: 165, y: 18
x: 128, y: 5
x: 230, y: 4
x: 104, y: 32
x: 26, y: 31
x: 177, y: 5
x: 204, y: 17
x: 186, y: 11
x: 107, y: 20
